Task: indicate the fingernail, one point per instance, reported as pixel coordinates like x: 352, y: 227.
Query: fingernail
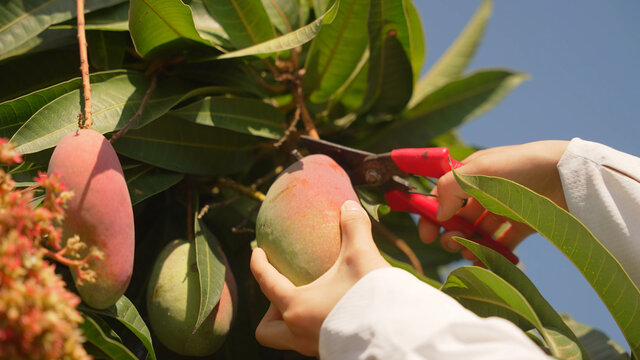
x: 351, y: 205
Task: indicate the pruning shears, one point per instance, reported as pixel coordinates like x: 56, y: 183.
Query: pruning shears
x: 388, y: 170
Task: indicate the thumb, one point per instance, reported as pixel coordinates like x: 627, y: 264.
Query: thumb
x: 355, y: 225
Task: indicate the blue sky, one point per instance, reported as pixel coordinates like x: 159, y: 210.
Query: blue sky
x: 583, y: 58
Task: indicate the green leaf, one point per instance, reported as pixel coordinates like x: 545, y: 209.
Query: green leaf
x: 595, y: 262
x: 164, y: 27
x: 336, y: 50
x: 106, y: 49
x: 284, y: 14
x: 289, y: 40
x: 14, y: 113
x: 453, y: 62
x: 207, y: 26
x: 22, y: 20
x: 487, y: 294
x: 46, y: 40
x: 373, y: 205
x: 549, y: 318
x: 598, y: 345
x: 245, y: 21
x: 98, y: 333
x: 115, y: 101
x: 179, y: 145
x: 115, y: 18
x: 446, y: 108
x: 390, y: 77
x: 244, y: 115
x: 416, y: 37
x: 125, y: 312
x: 211, y: 269
x: 146, y: 181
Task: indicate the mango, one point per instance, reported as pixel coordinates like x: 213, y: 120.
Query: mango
x: 298, y: 224
x: 173, y: 301
x: 100, y: 212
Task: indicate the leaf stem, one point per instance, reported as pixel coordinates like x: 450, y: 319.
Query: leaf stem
x: 138, y: 114
x: 86, y: 121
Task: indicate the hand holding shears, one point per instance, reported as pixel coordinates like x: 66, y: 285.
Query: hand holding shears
x: 387, y: 170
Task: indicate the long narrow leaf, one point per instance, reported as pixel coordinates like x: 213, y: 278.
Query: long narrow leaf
x: 390, y: 77
x: 163, y: 27
x: 211, y: 269
x: 21, y: 20
x: 287, y: 41
x: 14, y: 113
x: 182, y: 146
x: 245, y: 115
x: 595, y: 262
x: 337, y: 50
x: 446, y: 108
x: 457, y: 57
x: 98, y: 333
x: 115, y: 101
x: 549, y: 318
x: 146, y: 181
x: 417, y: 51
x: 245, y: 21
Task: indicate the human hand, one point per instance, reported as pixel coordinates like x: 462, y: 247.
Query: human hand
x: 532, y: 165
x: 296, y: 314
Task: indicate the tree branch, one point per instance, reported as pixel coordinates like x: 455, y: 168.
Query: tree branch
x: 138, y: 114
x: 86, y: 121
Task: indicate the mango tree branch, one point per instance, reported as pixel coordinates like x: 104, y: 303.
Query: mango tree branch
x: 400, y: 244
x: 138, y: 114
x: 86, y: 120
x: 242, y: 189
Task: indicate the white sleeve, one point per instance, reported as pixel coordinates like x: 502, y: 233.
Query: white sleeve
x: 390, y: 314
x: 602, y: 189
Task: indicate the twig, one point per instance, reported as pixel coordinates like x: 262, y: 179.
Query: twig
x: 227, y: 202
x: 306, y: 117
x: 272, y: 88
x: 84, y: 67
x: 242, y: 189
x: 138, y: 114
x: 290, y: 129
x: 400, y: 244
x: 275, y: 172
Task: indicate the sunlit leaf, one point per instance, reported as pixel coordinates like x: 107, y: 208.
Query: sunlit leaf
x: 549, y: 318
x: 337, y: 50
x: 446, y: 108
x: 207, y: 26
x: 21, y: 20
x: 595, y: 262
x: 115, y: 101
x: 14, y: 113
x: 417, y: 51
x: 284, y: 14
x: 115, y: 18
x: 390, y: 77
x: 287, y: 41
x: 453, y: 62
x: 164, y: 27
x: 245, y: 115
x: 47, y: 40
x: 245, y: 21
x: 598, y: 345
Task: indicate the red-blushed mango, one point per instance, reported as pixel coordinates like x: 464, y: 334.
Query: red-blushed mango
x: 173, y: 302
x: 99, y: 212
x: 298, y: 224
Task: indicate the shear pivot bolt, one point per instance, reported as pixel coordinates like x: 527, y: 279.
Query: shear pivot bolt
x: 373, y: 176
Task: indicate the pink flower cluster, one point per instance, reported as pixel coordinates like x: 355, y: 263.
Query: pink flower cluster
x: 38, y: 316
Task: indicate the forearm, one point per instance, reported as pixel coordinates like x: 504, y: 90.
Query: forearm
x: 389, y: 314
x: 602, y: 189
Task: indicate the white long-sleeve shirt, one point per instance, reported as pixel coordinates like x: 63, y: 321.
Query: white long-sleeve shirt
x: 407, y: 319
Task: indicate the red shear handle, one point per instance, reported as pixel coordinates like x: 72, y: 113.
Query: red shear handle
x: 426, y: 206
x: 431, y: 162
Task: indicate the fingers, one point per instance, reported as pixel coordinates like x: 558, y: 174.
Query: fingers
x: 275, y: 286
x: 450, y: 197
x: 427, y: 230
x: 273, y: 332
